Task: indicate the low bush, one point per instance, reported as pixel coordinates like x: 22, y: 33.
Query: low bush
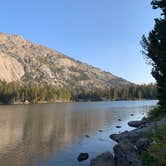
x: 155, y: 155
x: 156, y: 113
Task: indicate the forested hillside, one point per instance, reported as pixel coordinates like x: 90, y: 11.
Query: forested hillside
x: 34, y: 73
x: 15, y: 93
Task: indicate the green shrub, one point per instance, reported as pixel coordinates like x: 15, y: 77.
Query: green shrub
x: 156, y: 113
x: 155, y: 155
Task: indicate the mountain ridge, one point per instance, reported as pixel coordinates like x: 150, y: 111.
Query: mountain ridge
x: 26, y: 62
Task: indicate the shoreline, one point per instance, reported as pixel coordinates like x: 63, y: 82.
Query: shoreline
x: 129, y: 144
x: 60, y: 101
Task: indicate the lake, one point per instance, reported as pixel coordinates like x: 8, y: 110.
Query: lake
x: 55, y: 134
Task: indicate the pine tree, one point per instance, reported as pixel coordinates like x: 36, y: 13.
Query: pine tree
x: 155, y: 50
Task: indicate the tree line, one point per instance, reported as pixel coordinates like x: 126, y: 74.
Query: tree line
x: 13, y: 92
x: 128, y: 92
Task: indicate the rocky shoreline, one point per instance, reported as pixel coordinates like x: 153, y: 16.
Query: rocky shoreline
x: 129, y: 145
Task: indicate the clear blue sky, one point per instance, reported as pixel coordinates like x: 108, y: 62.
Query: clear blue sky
x: 103, y: 33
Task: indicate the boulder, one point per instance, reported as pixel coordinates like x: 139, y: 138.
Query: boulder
x: 105, y: 159
x: 142, y: 144
x: 136, y: 123
x: 118, y: 137
x: 126, y: 154
x: 133, y: 135
x: 82, y: 157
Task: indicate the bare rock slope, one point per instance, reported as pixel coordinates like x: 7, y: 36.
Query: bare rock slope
x: 10, y: 69
x: 26, y: 62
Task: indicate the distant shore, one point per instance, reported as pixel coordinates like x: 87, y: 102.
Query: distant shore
x: 65, y: 101
x: 39, y: 102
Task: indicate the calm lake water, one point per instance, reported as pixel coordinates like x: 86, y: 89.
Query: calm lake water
x: 55, y: 134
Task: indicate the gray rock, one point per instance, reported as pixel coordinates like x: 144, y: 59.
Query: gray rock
x: 131, y: 143
x: 118, y: 137
x: 87, y: 136
x: 82, y: 157
x: 142, y: 144
x: 133, y: 135
x: 136, y: 123
x: 118, y: 126
x: 105, y: 159
x: 161, y: 122
x: 126, y: 154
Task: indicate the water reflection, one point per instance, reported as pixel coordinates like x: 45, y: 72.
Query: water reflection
x: 40, y: 131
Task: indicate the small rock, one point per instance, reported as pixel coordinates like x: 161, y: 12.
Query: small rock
x: 87, y: 136
x: 82, y: 157
x: 136, y: 123
x: 118, y: 126
x: 119, y: 120
x: 100, y: 130
x: 131, y: 114
x: 105, y: 159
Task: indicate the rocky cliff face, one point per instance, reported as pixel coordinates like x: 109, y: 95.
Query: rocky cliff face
x: 10, y: 69
x: 26, y: 62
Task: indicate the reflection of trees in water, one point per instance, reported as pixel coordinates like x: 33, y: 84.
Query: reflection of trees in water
x: 41, y: 133
x: 28, y: 132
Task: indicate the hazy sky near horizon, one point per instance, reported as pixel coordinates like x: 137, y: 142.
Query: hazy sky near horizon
x: 103, y: 33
